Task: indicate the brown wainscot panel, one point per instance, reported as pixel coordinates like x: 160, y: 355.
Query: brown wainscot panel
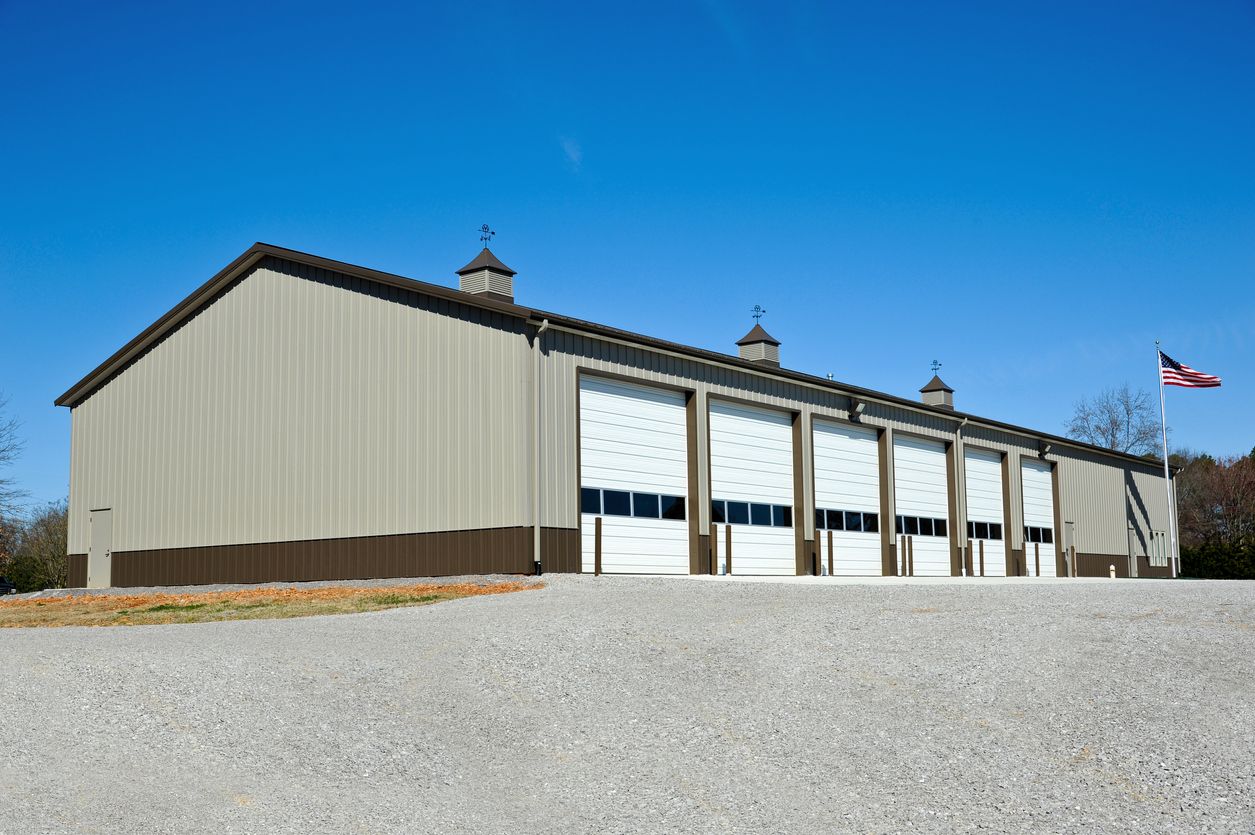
x: 560, y: 550
x: 1099, y: 565
x: 1145, y: 569
x: 76, y: 576
x: 439, y: 554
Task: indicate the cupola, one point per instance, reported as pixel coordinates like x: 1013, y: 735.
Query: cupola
x: 937, y: 393
x: 487, y: 276
x: 760, y: 347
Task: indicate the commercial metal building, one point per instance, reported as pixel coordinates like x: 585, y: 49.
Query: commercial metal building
x: 297, y: 418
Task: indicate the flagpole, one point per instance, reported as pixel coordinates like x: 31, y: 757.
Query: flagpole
x: 1174, y: 558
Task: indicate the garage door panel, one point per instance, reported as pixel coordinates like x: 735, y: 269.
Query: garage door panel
x: 847, y: 467
x: 759, y: 550
x: 847, y: 478
x: 983, y: 477
x: 931, y: 556
x: 1037, y: 485
x: 635, y: 439
x: 1038, y: 494
x: 608, y: 471
x: 636, y: 546
x: 751, y: 454
x: 854, y: 554
x: 751, y: 460
x: 921, y: 489
x: 920, y: 483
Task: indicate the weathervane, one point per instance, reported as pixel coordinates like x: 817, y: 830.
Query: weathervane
x: 936, y: 366
x: 757, y: 312
x: 485, y: 235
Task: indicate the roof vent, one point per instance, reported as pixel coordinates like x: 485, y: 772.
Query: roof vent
x: 759, y: 346
x: 938, y: 394
x: 487, y: 276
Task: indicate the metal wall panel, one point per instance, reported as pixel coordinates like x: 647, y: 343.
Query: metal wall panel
x: 1092, y: 485
x: 302, y: 404
x: 1148, y: 508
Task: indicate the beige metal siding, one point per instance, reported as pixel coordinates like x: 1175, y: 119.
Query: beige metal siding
x: 1092, y: 495
x: 1148, y: 506
x: 567, y: 353
x: 302, y: 404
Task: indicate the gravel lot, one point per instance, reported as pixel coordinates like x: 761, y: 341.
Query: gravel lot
x: 633, y: 704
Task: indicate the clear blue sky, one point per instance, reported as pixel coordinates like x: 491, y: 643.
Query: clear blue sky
x: 1029, y: 193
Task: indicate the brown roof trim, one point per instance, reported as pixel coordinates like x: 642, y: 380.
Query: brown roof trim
x: 206, y: 292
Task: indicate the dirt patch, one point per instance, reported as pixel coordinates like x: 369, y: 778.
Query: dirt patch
x: 242, y: 604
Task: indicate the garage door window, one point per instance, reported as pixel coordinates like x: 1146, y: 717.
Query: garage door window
x: 984, y: 530
x: 921, y: 526
x: 847, y: 520
x: 622, y: 503
x: 1032, y: 534
x: 672, y: 507
x: 743, y: 513
x: 645, y: 505
x: 616, y: 502
x: 590, y: 500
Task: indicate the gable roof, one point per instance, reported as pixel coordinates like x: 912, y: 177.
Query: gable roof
x: 204, y: 294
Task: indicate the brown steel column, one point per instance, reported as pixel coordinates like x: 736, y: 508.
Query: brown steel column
x: 910, y: 556
x: 714, y: 548
x: 830, y: 569
x: 1037, y: 556
x: 982, y: 558
x: 597, y: 547
x: 967, y: 560
x: 728, y: 531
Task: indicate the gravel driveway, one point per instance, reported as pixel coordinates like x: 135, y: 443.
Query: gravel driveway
x: 636, y: 705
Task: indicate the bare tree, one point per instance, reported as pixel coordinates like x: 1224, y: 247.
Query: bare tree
x: 1119, y: 419
x: 10, y: 448
x: 39, y: 561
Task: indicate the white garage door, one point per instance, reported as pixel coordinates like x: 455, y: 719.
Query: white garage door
x: 634, y: 476
x: 847, y: 498
x: 751, y: 486
x: 985, y: 526
x: 1039, y: 518
x: 922, y: 503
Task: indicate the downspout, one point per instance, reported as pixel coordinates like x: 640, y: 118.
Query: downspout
x: 544, y: 326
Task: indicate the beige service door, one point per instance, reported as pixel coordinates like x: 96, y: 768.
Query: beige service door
x: 99, y: 556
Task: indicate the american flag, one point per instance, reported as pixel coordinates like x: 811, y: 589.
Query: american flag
x: 1176, y: 374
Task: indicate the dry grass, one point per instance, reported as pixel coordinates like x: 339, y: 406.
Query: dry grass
x: 246, y: 604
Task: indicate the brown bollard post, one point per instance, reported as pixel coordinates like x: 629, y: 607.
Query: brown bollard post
x: 597, y: 547
x: 728, y: 531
